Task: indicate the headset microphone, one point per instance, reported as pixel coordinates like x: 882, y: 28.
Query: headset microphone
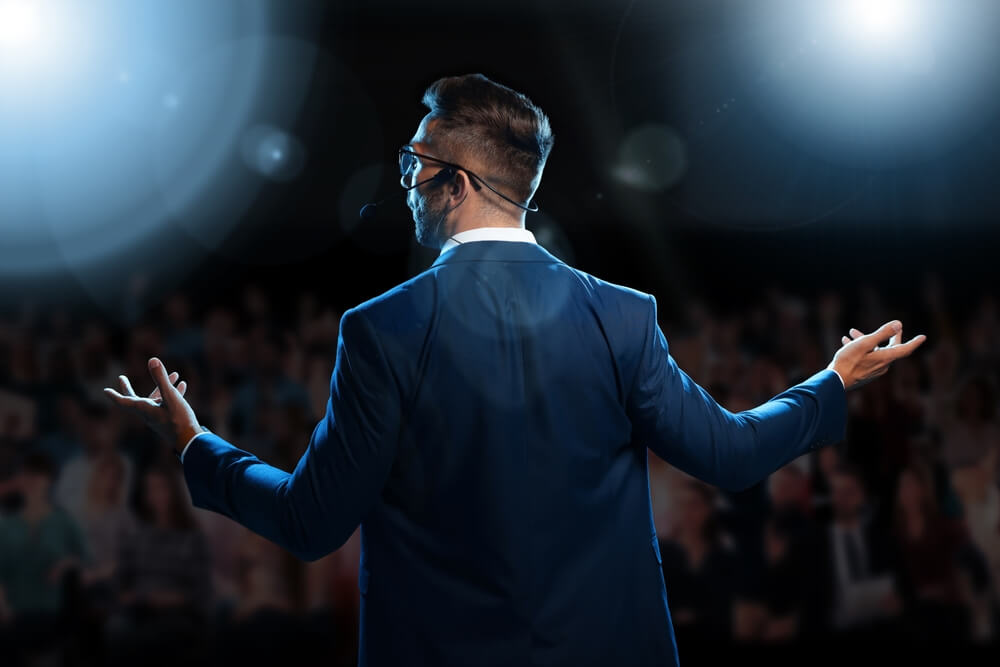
x: 368, y: 211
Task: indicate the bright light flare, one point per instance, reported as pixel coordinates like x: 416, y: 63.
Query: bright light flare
x: 879, y: 22
x: 20, y: 24
x: 873, y: 82
x: 41, y: 42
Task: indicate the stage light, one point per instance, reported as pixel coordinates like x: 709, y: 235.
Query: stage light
x: 119, y: 118
x: 879, y: 22
x: 873, y: 83
x: 19, y: 25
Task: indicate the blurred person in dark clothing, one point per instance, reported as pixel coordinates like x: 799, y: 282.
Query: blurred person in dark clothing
x: 108, y: 524
x: 100, y: 432
x: 60, y: 377
x: 268, y: 384
x: 183, y: 337
x: 789, y: 490
x: 970, y: 434
x: 823, y: 466
x: 163, y: 578
x: 780, y: 605
x: 95, y: 362
x: 64, y: 441
x: 858, y: 581
x: 944, y: 578
x: 701, y: 566
x: 785, y: 603
x: 41, y: 552
x: 265, y: 622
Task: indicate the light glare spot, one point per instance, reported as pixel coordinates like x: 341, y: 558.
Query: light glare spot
x: 19, y: 24
x: 879, y: 22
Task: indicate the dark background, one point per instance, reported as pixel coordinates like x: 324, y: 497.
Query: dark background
x: 753, y: 208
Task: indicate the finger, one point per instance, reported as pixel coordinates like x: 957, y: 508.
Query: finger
x: 897, y: 337
x: 883, y: 332
x: 899, y: 351
x: 126, y: 386
x: 182, y: 387
x: 122, y: 400
x: 855, y: 333
x: 159, y: 374
x: 845, y: 340
x: 114, y: 395
x: 172, y: 377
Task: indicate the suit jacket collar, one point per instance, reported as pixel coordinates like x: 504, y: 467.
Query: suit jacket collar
x: 496, y: 251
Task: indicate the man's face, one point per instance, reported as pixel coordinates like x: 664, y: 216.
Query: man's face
x: 427, y: 202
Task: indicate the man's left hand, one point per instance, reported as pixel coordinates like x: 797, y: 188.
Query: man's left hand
x: 165, y: 410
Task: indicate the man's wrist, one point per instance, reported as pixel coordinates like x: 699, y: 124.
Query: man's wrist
x: 186, y: 439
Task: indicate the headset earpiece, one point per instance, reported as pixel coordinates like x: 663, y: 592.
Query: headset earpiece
x: 445, y: 174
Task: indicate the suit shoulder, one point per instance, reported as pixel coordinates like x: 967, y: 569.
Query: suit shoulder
x: 606, y: 290
x: 408, y: 298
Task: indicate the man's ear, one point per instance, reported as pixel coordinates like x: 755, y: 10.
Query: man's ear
x: 460, y: 185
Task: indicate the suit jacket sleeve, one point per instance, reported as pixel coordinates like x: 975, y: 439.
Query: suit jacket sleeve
x: 684, y: 425
x: 317, y: 507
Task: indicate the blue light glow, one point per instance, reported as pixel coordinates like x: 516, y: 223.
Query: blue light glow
x: 20, y: 26
x: 273, y: 153
x: 867, y: 82
x: 119, y: 118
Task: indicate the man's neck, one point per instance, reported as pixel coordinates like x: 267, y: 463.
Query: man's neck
x: 509, y: 233
x: 487, y: 222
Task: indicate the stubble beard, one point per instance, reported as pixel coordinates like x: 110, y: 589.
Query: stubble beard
x: 429, y: 217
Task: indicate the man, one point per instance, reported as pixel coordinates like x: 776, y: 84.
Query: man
x: 488, y: 422
x: 858, y: 585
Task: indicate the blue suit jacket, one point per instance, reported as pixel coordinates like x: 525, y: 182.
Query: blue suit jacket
x: 487, y: 427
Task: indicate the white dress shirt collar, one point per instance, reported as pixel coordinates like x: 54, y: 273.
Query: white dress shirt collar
x: 489, y: 234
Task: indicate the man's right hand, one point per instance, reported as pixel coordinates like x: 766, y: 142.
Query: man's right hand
x: 861, y: 360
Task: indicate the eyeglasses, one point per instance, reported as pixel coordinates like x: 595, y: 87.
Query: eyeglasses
x: 407, y: 158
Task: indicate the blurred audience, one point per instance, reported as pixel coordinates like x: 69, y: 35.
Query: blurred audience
x: 894, y: 532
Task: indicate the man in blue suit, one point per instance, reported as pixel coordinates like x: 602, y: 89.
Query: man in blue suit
x: 488, y: 426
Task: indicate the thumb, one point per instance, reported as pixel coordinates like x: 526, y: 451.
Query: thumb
x: 159, y: 374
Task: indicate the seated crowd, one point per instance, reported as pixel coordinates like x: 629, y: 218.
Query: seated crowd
x: 892, y: 534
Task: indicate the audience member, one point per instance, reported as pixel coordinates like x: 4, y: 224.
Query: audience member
x: 856, y: 568
x: 41, y: 552
x: 701, y: 566
x: 100, y: 431
x: 164, y: 578
x: 943, y: 574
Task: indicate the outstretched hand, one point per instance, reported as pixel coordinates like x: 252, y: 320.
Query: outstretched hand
x: 861, y: 360
x: 165, y: 410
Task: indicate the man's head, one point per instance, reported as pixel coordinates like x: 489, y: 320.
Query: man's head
x: 489, y: 129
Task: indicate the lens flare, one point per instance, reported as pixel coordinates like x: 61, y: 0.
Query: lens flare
x: 20, y: 25
x: 879, y: 22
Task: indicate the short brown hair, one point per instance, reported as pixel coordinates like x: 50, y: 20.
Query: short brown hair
x: 495, y: 125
